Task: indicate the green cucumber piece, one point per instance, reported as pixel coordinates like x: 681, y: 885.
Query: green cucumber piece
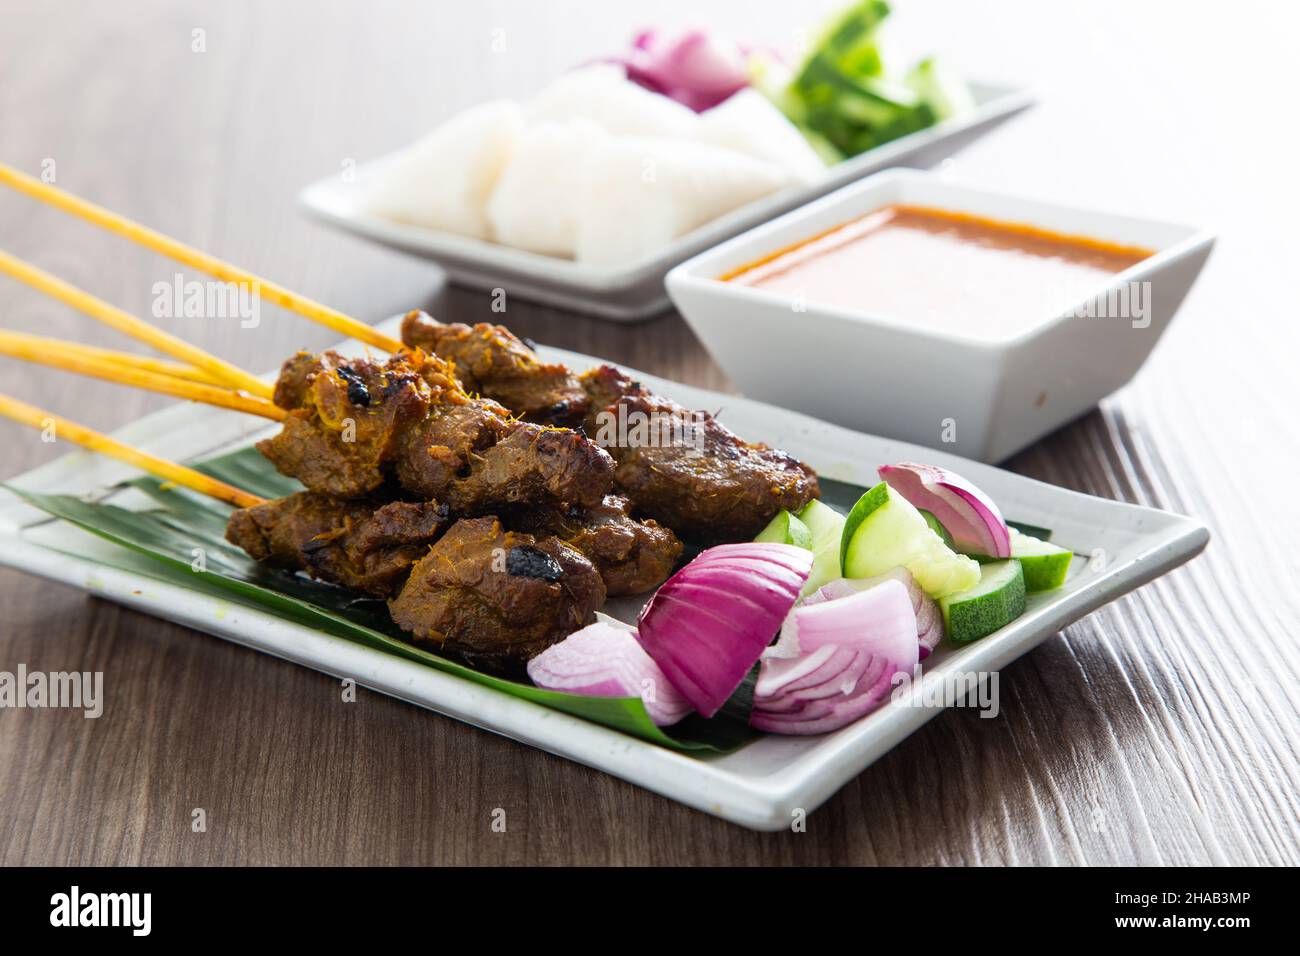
x: 996, y: 601
x: 939, y: 529
x: 826, y: 527
x: 786, y: 528
x: 1042, y: 534
x: 884, y: 531
x: 1045, y: 565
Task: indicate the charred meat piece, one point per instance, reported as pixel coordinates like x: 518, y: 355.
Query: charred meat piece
x: 438, y: 451
x: 358, y: 423
x: 692, y: 473
x: 346, y: 420
x: 496, y: 598
x: 632, y: 556
x: 366, y: 546
x: 492, y: 361
x: 534, y: 464
x: 604, y: 386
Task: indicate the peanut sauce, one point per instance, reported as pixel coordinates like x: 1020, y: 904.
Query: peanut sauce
x: 942, y: 270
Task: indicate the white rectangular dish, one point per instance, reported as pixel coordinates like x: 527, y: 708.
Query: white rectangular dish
x: 636, y: 291
x: 763, y: 784
x: 986, y: 396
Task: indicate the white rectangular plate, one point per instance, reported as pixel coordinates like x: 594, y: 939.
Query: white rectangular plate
x: 759, y: 786
x: 636, y: 291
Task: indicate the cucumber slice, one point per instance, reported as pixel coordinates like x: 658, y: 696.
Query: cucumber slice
x: 826, y: 527
x: 1045, y: 565
x: 885, y: 531
x: 939, y: 529
x: 785, y: 528
x: 1042, y: 534
x: 996, y: 601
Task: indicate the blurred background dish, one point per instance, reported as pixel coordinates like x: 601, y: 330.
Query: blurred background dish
x: 585, y: 192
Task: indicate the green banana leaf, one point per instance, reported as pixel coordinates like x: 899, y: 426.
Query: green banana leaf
x: 180, y: 524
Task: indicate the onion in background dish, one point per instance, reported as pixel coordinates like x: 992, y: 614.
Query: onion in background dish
x: 969, y: 515
x: 696, y: 68
x: 605, y: 660
x: 836, y: 660
x: 710, y: 622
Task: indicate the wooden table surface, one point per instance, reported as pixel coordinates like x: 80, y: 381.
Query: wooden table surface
x: 1161, y: 729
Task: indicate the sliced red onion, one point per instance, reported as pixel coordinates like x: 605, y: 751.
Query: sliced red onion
x: 929, y: 619
x: 696, y: 68
x: 872, y: 689
x: 968, y: 514
x: 605, y: 660
x: 836, y: 658
x: 707, y: 625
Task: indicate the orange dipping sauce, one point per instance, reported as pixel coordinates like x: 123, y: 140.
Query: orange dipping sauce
x: 946, y: 271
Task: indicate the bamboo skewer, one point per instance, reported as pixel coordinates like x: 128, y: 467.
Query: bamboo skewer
x: 196, y: 258
x: 98, y: 442
x: 56, y: 354
x: 126, y: 323
x: 145, y: 363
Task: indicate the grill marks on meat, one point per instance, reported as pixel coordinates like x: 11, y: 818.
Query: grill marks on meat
x: 710, y: 485
x: 492, y: 361
x: 714, y: 487
x: 437, y: 451
x: 491, y: 597
x: 332, y: 444
x: 362, y: 545
x: 355, y: 423
x: 534, y: 464
x: 462, y: 597
x: 632, y: 556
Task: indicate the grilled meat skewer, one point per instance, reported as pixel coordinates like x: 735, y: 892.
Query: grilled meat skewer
x: 497, y: 598
x: 468, y: 588
x: 704, y: 482
x: 632, y: 556
x: 369, y: 545
x: 492, y: 361
x: 712, y: 486
x: 362, y: 545
x: 356, y: 423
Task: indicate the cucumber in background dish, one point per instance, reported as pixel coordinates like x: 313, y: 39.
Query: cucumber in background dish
x: 845, y: 99
x: 996, y: 601
x: 885, y: 531
x: 826, y: 525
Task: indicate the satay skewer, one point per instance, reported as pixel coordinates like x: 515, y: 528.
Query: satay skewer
x: 188, y: 255
x: 112, y: 367
x: 128, y: 324
x: 145, y: 363
x: 497, y: 618
x: 98, y: 442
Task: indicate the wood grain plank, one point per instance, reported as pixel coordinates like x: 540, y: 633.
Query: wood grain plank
x: 1161, y: 729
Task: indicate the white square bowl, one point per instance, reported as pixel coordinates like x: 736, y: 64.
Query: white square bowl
x: 981, y: 398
